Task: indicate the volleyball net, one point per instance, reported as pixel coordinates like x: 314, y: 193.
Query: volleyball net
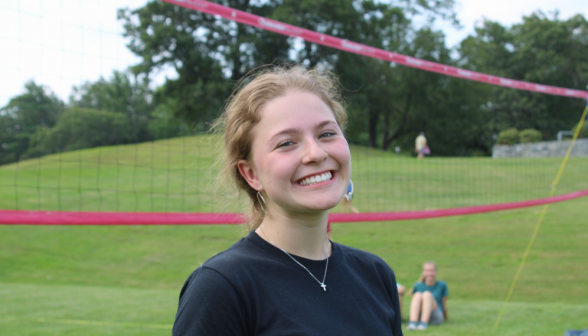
x: 72, y: 177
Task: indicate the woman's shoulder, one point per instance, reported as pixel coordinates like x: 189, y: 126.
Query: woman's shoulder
x: 225, y: 268
x: 363, y: 258
x: 239, y: 255
x: 442, y: 283
x: 355, y: 252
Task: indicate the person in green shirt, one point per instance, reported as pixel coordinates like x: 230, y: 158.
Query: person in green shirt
x: 429, y: 299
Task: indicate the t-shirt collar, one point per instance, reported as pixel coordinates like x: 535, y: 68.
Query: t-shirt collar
x: 315, y: 266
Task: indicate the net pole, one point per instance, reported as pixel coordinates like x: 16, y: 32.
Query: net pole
x: 538, y: 225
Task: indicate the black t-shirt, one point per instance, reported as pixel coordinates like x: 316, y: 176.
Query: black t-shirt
x: 253, y: 288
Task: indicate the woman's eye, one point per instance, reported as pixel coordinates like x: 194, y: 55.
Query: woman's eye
x: 327, y: 134
x: 285, y: 143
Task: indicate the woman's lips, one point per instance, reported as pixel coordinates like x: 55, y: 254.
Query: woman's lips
x: 317, y: 178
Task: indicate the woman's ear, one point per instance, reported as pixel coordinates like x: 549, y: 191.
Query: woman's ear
x: 247, y: 171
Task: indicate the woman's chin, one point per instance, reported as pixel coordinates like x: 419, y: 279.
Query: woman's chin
x: 323, y: 205
x: 310, y: 204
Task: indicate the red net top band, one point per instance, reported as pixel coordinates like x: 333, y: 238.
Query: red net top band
x: 23, y: 217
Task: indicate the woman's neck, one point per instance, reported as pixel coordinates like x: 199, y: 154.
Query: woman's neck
x: 304, y: 235
x: 430, y: 282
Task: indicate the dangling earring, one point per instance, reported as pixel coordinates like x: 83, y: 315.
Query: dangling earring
x: 349, y: 193
x: 261, y: 201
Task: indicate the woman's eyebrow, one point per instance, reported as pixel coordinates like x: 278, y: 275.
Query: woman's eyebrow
x: 287, y: 131
x: 290, y: 131
x: 325, y: 123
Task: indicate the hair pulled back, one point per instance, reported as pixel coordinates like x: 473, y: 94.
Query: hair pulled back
x: 242, y: 113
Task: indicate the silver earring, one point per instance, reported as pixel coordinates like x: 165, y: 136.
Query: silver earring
x: 349, y: 193
x: 261, y: 201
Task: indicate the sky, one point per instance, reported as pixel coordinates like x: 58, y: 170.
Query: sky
x: 62, y: 43
x: 507, y: 12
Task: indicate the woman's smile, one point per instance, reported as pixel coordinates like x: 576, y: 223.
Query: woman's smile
x: 317, y: 179
x: 302, y: 160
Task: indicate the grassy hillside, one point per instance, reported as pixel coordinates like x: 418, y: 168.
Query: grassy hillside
x: 178, y: 175
x: 126, y: 280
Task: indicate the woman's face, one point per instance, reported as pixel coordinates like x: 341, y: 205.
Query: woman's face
x: 429, y: 271
x: 299, y: 157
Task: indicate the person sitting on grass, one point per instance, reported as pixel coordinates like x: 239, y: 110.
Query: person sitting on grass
x: 429, y: 299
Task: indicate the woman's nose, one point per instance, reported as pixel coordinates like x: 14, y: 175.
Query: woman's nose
x: 314, y: 153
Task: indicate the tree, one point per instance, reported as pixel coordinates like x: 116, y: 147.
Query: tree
x: 542, y: 50
x: 80, y: 128
x: 206, y: 51
x: 381, y: 98
x: 400, y: 100
x: 24, y: 115
x: 123, y: 93
x: 367, y: 80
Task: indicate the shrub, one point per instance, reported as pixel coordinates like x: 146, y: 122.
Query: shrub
x: 80, y: 128
x: 583, y: 130
x: 509, y: 137
x: 163, y: 125
x: 530, y: 135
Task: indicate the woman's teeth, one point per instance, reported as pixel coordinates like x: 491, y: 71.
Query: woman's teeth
x: 316, y: 179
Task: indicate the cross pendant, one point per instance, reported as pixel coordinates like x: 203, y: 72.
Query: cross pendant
x: 324, y: 287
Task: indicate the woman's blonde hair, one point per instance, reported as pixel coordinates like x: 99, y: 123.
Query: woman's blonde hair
x: 422, y: 278
x: 242, y: 113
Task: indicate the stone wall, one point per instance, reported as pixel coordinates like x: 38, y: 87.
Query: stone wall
x: 541, y: 149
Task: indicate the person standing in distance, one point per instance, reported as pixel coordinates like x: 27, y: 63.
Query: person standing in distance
x: 420, y: 145
x: 285, y: 149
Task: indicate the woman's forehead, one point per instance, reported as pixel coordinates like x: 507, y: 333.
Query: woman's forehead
x: 296, y: 110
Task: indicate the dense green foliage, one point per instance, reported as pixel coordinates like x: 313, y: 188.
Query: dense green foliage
x: 388, y: 104
x: 82, y: 128
x: 583, y: 130
x: 540, y: 49
x: 24, y: 115
x: 510, y: 136
x: 107, y: 112
x: 530, y: 135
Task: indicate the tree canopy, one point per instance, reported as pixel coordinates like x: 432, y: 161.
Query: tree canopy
x: 541, y: 50
x: 24, y: 115
x: 388, y: 104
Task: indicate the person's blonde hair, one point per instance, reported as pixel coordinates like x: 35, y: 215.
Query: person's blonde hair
x: 242, y: 113
x: 422, y: 278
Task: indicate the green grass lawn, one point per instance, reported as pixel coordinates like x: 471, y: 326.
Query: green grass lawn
x: 176, y: 175
x: 126, y: 280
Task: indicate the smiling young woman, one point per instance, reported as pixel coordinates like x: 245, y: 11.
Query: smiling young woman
x: 285, y: 148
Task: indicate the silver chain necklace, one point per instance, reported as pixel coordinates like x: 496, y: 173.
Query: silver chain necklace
x: 296, y: 261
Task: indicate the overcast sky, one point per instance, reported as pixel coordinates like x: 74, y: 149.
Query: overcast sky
x: 61, y: 43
